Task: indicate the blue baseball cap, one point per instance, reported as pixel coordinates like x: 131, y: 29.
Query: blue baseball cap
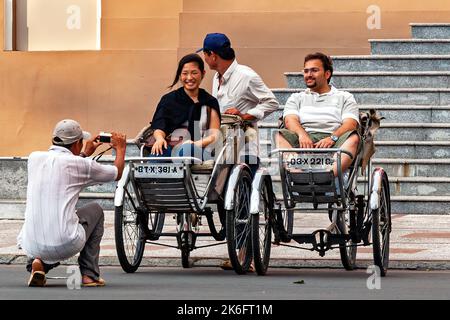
x: 215, y: 42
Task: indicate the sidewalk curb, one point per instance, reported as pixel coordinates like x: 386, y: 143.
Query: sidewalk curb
x: 10, y: 259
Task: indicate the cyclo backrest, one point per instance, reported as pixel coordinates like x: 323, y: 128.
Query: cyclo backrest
x: 145, y: 137
x: 369, y: 124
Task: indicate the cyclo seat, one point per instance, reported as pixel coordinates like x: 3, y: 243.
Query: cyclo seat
x: 316, y: 186
x: 319, y: 186
x: 229, y: 124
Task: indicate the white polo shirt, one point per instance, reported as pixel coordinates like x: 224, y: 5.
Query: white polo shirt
x: 244, y: 89
x: 55, y: 179
x: 322, y: 112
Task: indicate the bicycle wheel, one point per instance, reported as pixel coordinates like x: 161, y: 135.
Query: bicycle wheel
x: 151, y: 224
x: 186, y: 238
x: 283, y: 225
x: 238, y: 226
x: 288, y: 223
x: 262, y: 230
x: 381, y: 228
x: 128, y: 235
x: 217, y: 234
x: 185, y: 253
x: 348, y: 250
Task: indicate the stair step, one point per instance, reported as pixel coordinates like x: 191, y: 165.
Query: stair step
x: 383, y: 125
x: 392, y: 63
x: 12, y: 209
x: 430, y: 30
x: 389, y: 131
x: 397, y: 167
x: 105, y: 200
x: 420, y: 204
x: 413, y: 149
x: 400, y: 204
x: 15, y: 208
x: 396, y: 113
x: 410, y: 46
x: 132, y: 150
x: 395, y: 149
x: 434, y: 205
x: 13, y: 173
x: 399, y: 186
x: 108, y: 187
x: 15, y: 178
x: 386, y: 96
x: 419, y: 186
x: 379, y: 79
x: 415, y: 167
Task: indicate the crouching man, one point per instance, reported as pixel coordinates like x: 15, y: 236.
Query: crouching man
x: 54, y: 230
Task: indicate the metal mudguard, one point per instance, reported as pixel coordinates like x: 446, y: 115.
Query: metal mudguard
x: 232, y: 183
x: 257, y: 185
x: 377, y: 178
x: 118, y: 196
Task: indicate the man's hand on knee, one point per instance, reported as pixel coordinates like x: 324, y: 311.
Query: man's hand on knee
x: 324, y: 143
x: 305, y: 142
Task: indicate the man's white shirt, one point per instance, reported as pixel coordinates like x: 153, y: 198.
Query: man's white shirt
x: 55, y: 179
x: 322, y: 112
x: 243, y: 88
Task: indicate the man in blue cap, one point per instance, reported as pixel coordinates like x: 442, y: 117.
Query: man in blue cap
x: 240, y: 91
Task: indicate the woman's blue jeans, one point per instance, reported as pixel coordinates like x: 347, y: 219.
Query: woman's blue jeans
x: 185, y: 150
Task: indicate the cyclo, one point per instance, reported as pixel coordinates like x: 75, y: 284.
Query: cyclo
x: 153, y: 187
x: 358, y: 217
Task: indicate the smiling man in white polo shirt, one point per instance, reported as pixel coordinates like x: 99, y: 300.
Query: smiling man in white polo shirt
x: 321, y: 116
x: 54, y: 230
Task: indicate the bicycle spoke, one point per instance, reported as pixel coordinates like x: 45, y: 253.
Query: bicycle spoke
x: 130, y: 231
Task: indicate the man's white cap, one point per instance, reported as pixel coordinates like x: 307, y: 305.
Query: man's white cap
x: 67, y: 132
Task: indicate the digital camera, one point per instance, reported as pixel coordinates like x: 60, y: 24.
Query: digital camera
x: 105, y: 137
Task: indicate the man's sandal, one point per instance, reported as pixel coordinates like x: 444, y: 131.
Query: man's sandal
x: 94, y: 283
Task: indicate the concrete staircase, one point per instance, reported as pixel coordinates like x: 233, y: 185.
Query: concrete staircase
x: 408, y: 82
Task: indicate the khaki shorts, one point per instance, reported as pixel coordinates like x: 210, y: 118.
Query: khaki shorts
x: 292, y: 137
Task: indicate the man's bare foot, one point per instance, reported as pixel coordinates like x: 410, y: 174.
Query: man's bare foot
x: 226, y: 265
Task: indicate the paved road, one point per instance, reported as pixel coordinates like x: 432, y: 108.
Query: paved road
x: 214, y: 283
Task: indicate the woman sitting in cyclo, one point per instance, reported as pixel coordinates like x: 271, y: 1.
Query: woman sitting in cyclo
x: 188, y: 112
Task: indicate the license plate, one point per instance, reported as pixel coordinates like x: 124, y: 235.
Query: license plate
x: 169, y: 170
x: 309, y: 161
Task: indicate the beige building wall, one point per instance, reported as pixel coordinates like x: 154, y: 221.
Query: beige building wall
x: 118, y: 87
x: 273, y: 36
x: 61, y: 25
